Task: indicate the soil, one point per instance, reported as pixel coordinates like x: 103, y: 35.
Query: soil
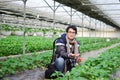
x: 38, y: 74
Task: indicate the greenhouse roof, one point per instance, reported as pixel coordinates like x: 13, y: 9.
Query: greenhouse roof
x: 89, y: 7
x: 15, y: 8
x: 106, y: 11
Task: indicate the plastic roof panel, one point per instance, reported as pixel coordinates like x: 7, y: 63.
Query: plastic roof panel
x: 110, y: 7
x: 35, y: 7
x: 88, y: 10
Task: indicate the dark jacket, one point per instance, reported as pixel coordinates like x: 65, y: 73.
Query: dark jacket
x: 61, y: 48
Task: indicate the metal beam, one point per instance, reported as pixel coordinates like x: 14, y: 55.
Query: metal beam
x: 107, y: 10
x: 45, y: 6
x: 100, y: 4
x: 9, y: 1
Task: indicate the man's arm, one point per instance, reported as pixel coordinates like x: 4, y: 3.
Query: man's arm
x: 61, y: 51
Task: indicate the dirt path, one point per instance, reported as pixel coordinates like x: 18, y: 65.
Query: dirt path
x: 96, y: 53
x: 115, y: 75
x: 38, y: 74
x: 35, y: 74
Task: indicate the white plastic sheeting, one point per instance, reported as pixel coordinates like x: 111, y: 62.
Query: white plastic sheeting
x: 64, y: 14
x: 110, y: 7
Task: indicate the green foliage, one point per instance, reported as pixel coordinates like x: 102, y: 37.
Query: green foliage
x: 12, y: 45
x: 5, y: 27
x: 97, y: 68
x: 94, y: 69
x: 100, y: 43
x: 54, y: 32
x: 57, y: 74
x: 13, y: 65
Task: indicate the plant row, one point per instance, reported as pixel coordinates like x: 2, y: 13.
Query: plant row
x: 7, y: 27
x: 99, y: 68
x: 98, y: 45
x: 15, y: 65
x: 13, y: 45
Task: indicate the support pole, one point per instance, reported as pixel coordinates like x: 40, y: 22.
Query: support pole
x: 54, y: 15
x: 105, y: 34
x: 70, y: 15
x: 17, y: 21
x: 2, y: 18
x: 100, y: 29
x: 24, y: 16
x: 54, y: 10
x: 82, y: 27
x: 106, y: 31
x: 89, y: 30
x: 103, y: 31
x: 95, y: 30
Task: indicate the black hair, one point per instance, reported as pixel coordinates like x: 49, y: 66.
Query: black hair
x: 73, y: 27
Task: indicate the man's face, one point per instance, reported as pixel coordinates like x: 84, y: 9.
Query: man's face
x: 71, y: 34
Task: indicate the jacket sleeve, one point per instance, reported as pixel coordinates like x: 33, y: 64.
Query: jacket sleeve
x: 61, y: 49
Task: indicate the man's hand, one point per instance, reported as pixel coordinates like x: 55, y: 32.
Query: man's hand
x: 73, y: 55
x: 79, y: 60
x: 77, y: 55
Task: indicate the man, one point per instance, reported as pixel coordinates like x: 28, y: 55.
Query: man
x: 67, y: 50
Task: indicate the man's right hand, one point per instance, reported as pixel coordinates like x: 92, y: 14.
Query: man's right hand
x: 73, y: 55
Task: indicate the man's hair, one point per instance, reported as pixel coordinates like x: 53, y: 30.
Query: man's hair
x: 73, y: 27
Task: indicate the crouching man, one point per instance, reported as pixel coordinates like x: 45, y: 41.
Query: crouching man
x: 67, y: 50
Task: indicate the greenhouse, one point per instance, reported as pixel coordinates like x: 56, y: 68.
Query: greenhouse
x: 28, y: 29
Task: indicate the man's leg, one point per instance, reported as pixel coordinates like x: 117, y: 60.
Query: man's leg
x: 60, y: 64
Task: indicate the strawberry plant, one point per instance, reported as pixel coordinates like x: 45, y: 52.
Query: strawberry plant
x: 13, y: 45
x: 97, y: 68
x: 13, y: 65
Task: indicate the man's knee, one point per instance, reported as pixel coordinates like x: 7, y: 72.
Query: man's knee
x: 60, y: 61
x: 60, y: 64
